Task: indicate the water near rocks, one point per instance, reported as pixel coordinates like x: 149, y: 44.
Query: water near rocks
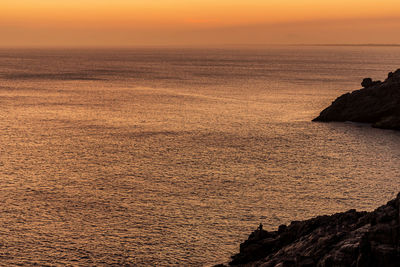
x: 173, y: 156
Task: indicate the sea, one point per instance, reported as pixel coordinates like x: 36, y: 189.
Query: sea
x: 173, y: 156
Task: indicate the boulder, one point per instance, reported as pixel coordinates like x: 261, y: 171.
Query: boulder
x: 367, y: 82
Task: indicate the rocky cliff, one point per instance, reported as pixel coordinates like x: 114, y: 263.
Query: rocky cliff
x: 377, y: 103
x: 344, y: 239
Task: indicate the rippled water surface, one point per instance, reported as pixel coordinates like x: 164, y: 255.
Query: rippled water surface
x: 172, y: 156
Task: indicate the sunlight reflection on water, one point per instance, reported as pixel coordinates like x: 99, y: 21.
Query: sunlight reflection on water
x: 172, y: 157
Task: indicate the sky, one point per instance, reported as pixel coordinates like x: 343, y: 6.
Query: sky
x: 125, y: 23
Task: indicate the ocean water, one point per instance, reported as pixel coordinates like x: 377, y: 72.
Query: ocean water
x: 171, y: 157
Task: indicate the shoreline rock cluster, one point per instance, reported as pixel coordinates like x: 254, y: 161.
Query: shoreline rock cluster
x: 377, y: 103
x: 344, y: 239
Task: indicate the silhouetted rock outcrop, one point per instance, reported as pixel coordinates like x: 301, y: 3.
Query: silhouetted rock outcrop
x: 368, y: 82
x: 344, y: 239
x: 377, y: 103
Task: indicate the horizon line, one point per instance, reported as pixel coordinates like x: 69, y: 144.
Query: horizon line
x: 215, y: 46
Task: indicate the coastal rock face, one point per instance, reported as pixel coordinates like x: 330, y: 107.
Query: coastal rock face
x: 377, y: 103
x: 344, y: 239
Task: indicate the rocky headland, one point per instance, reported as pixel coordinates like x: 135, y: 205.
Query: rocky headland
x: 377, y: 103
x: 344, y: 239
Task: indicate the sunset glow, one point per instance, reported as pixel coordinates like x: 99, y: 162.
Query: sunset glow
x: 168, y: 22
x: 199, y: 132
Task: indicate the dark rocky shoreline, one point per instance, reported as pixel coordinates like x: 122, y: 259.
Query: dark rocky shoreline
x: 344, y: 239
x: 377, y: 103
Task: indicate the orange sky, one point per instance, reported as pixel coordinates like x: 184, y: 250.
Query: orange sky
x: 194, y: 22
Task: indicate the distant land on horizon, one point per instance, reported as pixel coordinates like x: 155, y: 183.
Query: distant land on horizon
x: 349, y: 44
